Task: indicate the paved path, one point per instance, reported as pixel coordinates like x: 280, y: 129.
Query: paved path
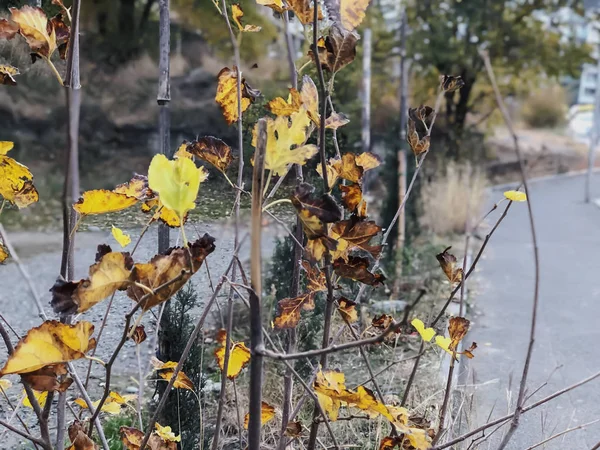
x: 567, y: 344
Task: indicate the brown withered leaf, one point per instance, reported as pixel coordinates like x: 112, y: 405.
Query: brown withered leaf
x: 419, y: 145
x: 165, y: 370
x: 227, y: 94
x: 458, y: 328
x: 212, y: 150
x: 36, y: 29
x: 110, y: 273
x: 469, y: 351
x: 337, y: 50
x: 289, y: 309
x: 315, y: 249
x: 315, y: 213
x: 347, y: 309
x: 310, y: 99
x: 165, y: 267
x: 8, y: 29
x: 282, y: 107
x: 422, y: 116
x: 237, y: 13
x: 7, y: 74
x: 448, y: 263
x: 79, y: 439
x: 132, y: 438
x: 4, y: 253
x: 137, y: 188
x: 293, y: 429
x: 382, y: 322
x: 351, y: 167
x: 450, y: 83
x: 303, y: 9
x: 353, y: 199
x: 336, y: 120
x: 357, y: 268
x: 46, y: 379
x: 63, y: 34
x: 354, y: 234
x: 139, y: 334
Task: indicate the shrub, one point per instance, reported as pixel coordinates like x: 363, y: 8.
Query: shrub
x: 545, y: 108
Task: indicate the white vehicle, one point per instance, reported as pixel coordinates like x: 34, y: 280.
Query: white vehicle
x: 580, y: 122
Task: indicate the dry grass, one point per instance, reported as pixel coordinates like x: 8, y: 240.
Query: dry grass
x: 449, y: 200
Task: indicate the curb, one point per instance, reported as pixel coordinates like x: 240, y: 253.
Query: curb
x: 574, y: 173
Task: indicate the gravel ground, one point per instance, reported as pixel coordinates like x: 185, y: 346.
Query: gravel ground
x: 40, y: 253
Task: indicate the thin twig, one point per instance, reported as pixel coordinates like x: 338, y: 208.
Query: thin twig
x: 568, y: 430
x: 27, y: 436
x: 523, y: 384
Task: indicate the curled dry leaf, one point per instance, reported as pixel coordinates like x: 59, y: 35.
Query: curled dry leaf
x: 336, y: 120
x: 458, y: 328
x: 237, y: 13
x: 239, y: 355
x: 310, y: 99
x: 123, y: 239
x: 49, y: 378
x: 426, y: 333
x: 382, y: 322
x: 338, y: 49
x: 282, y: 107
x: 415, y: 439
x: 227, y: 94
x: 139, y: 334
x: 418, y: 144
x: 315, y: 213
x: 176, y: 182
x: 347, y: 309
x: 354, y: 234
x: 63, y: 34
x: 267, y: 413
x: 515, y: 196
x: 293, y: 429
x: 450, y: 83
x: 79, y: 439
x: 448, y: 264
x: 50, y: 343
x: 357, y: 268
x: 165, y: 370
x: 132, y: 439
x: 212, y: 150
x: 303, y: 10
x: 289, y: 309
x: 16, y: 181
x: 165, y: 267
x: 286, y: 139
x: 7, y: 74
x: 111, y: 272
x: 33, y: 25
x: 353, y: 199
x: 351, y: 167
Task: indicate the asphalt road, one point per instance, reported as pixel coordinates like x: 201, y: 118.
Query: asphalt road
x: 568, y: 328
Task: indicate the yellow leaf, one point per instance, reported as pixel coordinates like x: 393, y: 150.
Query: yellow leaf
x: 34, y: 27
x: 444, y: 343
x: 166, y: 433
x: 166, y: 215
x: 310, y: 99
x: 227, y: 94
x: 109, y: 407
x: 352, y: 12
x: 181, y: 382
x: 426, y: 333
x: 286, y: 142
x: 347, y: 309
x: 110, y: 273
x: 275, y: 5
x: 50, y: 343
x: 16, y: 181
x: 176, y: 181
x: 239, y: 355
x: 7, y: 74
x: 516, y: 196
x: 40, y: 397
x: 325, y: 382
x: 123, y: 239
x: 237, y: 14
x: 281, y: 107
x: 4, y: 254
x: 267, y: 412
x: 212, y: 150
x: 101, y: 201
x: 137, y: 187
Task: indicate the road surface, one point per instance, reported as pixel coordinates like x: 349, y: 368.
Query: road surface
x: 568, y: 330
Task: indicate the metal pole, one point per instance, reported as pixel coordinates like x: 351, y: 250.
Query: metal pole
x: 595, y: 132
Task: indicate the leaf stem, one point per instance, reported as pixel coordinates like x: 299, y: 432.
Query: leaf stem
x: 276, y: 202
x: 54, y: 71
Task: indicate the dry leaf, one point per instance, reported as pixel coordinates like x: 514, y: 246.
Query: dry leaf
x: 286, y: 139
x: 310, y: 99
x: 211, y: 150
x: 123, y: 239
x: 79, y: 439
x: 293, y: 429
x: 353, y: 199
x: 111, y: 272
x: 267, y: 413
x: 7, y: 74
x: 227, y: 94
x: 166, y: 370
x: 350, y: 13
x: 49, y: 378
x: 166, y: 433
x: 239, y: 355
x: 139, y: 334
x: 450, y: 83
x: 418, y: 144
x: 16, y: 181
x: 315, y: 213
x: 137, y: 188
x: 357, y: 268
x: 303, y: 10
x: 338, y: 49
x: 347, y: 309
x: 382, y: 322
x: 101, y: 201
x: 282, y: 107
x: 35, y: 28
x: 458, y: 327
x: 336, y: 120
x: 50, y: 343
x: 237, y: 13
x: 165, y: 267
x: 4, y: 253
x: 176, y: 182
x: 162, y: 213
x: 275, y: 5
x: 132, y: 440
x: 353, y: 234
x: 448, y: 264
